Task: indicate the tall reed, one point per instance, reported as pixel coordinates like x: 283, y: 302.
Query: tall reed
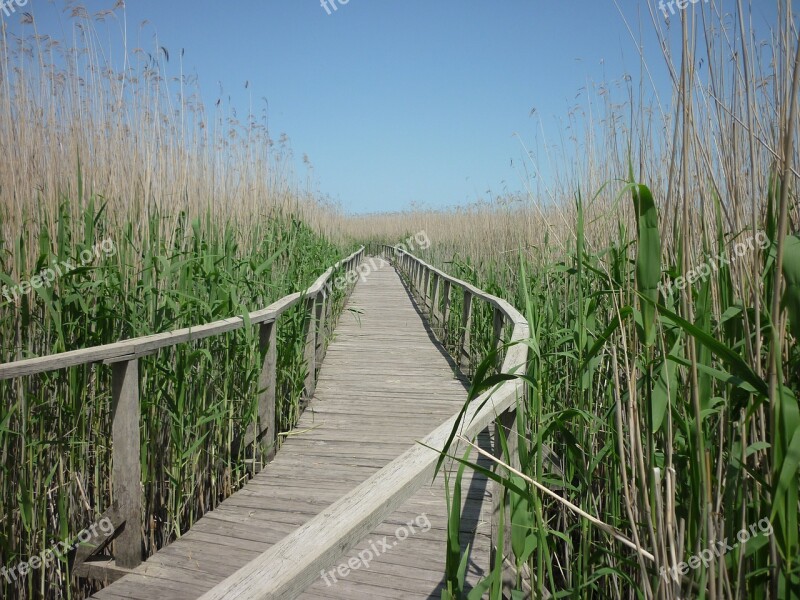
x: 666, y: 408
x: 206, y: 223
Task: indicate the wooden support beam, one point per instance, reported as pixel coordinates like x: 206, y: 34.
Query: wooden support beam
x: 466, y: 326
x: 126, y: 473
x: 497, y: 337
x: 436, y: 318
x: 103, y: 569
x: 426, y: 290
x: 267, y: 383
x: 448, y: 287
x: 310, y: 354
x: 102, y: 532
x: 322, y: 301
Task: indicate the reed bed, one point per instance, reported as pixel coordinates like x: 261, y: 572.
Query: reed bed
x: 141, y: 212
x: 664, y: 409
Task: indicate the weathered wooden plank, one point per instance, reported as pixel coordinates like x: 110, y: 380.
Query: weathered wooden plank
x: 268, y: 434
x: 126, y: 469
x: 86, y: 551
x: 446, y: 297
x: 356, y: 512
x: 291, y: 565
x: 310, y: 354
x: 103, y: 570
x: 321, y: 337
x: 466, y: 332
x: 344, y: 441
x: 435, y: 317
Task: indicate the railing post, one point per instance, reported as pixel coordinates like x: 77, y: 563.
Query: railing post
x: 267, y: 434
x: 497, y: 337
x: 426, y: 281
x: 126, y: 475
x: 435, y: 316
x: 311, y: 347
x: 466, y: 324
x: 354, y: 269
x: 329, y: 305
x: 348, y: 268
x: 322, y: 301
x: 446, y: 309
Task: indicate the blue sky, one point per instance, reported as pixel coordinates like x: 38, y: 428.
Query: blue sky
x: 396, y: 101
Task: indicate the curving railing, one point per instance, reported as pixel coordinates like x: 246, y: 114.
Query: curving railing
x: 292, y: 564
x: 124, y: 358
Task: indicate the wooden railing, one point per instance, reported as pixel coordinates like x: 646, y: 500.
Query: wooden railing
x: 124, y: 359
x: 292, y: 564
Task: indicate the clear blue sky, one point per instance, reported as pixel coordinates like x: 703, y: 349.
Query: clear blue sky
x: 396, y: 101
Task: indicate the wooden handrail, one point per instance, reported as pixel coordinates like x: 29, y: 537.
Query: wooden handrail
x: 144, y: 345
x: 124, y: 356
x: 292, y: 564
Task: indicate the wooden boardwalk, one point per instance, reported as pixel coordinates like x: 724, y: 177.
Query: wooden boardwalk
x: 384, y: 384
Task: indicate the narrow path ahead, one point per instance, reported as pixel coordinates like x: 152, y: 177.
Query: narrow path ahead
x: 384, y: 384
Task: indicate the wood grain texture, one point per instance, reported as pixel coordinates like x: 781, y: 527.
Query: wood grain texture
x: 287, y: 568
x: 126, y: 474
x: 351, y: 473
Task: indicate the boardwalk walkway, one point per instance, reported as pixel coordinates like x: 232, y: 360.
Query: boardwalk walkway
x: 384, y: 384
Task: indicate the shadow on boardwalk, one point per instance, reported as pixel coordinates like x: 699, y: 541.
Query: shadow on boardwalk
x: 384, y: 384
